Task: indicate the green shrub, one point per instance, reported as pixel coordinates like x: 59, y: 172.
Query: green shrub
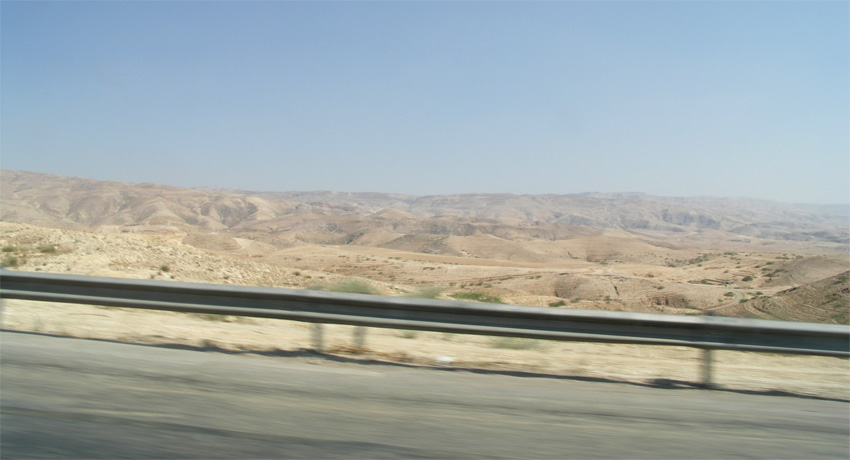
x: 515, y: 343
x: 9, y: 249
x: 477, y: 297
x: 426, y: 292
x: 747, y: 278
x: 559, y: 303
x: 350, y: 285
x: 409, y: 334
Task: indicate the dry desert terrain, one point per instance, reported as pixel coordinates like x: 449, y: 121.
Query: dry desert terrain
x: 619, y: 253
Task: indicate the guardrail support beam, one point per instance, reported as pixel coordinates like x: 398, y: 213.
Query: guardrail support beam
x: 318, y: 338
x: 359, y: 336
x: 707, y: 368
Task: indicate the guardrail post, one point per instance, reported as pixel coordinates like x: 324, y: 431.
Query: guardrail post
x: 318, y: 338
x: 359, y: 337
x: 707, y: 370
x: 708, y: 362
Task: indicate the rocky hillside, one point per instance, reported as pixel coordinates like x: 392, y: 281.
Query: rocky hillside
x: 162, y: 256
x: 825, y: 301
x: 635, y: 211
x: 343, y: 218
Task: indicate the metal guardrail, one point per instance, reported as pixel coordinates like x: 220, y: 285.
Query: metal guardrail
x: 705, y: 332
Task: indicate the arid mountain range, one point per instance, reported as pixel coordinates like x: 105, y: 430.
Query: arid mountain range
x: 55, y: 200
x: 633, y: 252
x: 625, y: 211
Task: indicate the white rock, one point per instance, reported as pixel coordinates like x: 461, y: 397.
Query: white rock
x: 444, y: 360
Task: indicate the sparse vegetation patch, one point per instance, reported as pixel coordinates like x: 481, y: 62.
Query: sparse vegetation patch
x: 350, y: 285
x: 426, y: 292
x: 515, y: 343
x: 476, y: 297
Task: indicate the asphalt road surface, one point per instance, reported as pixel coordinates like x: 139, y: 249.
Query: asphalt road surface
x: 72, y: 398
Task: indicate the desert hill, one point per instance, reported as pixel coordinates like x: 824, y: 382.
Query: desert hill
x: 633, y: 252
x: 634, y: 211
x: 823, y: 301
x: 83, y: 203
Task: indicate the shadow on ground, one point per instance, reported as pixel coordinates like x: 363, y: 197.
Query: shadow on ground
x: 349, y: 355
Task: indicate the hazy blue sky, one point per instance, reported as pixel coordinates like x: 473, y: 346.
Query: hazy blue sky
x: 669, y: 98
